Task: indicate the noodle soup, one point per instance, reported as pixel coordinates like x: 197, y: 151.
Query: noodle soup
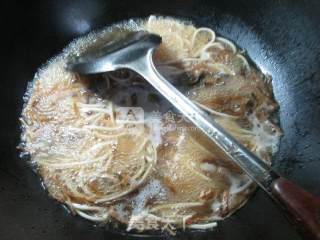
x: 111, y: 149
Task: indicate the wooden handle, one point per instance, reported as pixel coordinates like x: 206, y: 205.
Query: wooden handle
x: 302, y: 208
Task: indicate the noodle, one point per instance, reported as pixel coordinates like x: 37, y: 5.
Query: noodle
x: 227, y: 43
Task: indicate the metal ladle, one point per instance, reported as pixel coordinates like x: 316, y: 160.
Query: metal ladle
x: 134, y: 51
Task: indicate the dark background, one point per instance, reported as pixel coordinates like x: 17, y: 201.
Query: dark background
x: 281, y: 36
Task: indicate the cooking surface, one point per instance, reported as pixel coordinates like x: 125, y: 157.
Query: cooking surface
x: 282, y: 37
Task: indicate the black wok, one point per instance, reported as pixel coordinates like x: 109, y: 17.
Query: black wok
x: 281, y: 36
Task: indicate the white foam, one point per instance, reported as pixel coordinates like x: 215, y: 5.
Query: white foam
x: 263, y: 138
x: 153, y: 189
x: 208, y: 167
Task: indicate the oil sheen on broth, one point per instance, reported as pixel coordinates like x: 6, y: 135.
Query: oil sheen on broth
x: 109, y: 168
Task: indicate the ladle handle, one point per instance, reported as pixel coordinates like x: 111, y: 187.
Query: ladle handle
x: 301, y: 207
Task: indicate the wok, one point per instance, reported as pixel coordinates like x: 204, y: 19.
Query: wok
x: 281, y: 36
